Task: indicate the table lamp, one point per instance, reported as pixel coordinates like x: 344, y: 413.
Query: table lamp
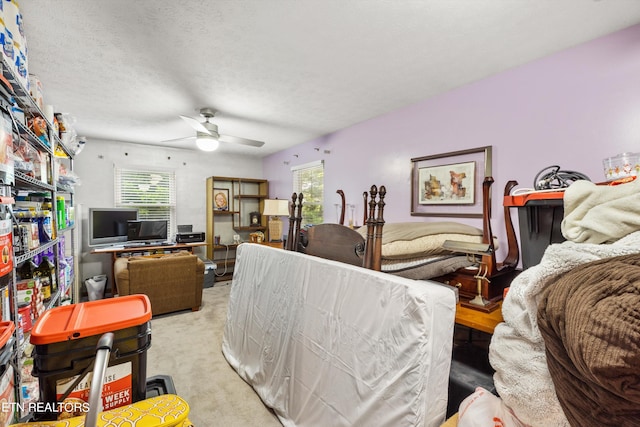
x: 275, y: 208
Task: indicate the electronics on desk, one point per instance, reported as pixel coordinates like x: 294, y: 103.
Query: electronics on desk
x: 186, y: 234
x: 111, y: 228
x: 108, y: 226
x: 192, y: 237
x: 147, y: 231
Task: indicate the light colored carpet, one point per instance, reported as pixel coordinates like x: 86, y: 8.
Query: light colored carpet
x: 188, y: 347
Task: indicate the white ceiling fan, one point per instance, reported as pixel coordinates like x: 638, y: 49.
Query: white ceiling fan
x: 207, y: 136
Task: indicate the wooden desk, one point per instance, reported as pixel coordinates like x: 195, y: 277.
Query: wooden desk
x: 476, y: 319
x: 118, y: 251
x: 278, y: 245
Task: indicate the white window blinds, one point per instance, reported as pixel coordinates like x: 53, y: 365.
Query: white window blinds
x: 153, y: 193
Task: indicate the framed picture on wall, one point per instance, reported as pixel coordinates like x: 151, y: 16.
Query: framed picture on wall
x: 450, y: 184
x: 221, y: 199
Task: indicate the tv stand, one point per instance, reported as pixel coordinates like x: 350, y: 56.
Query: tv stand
x: 154, y: 249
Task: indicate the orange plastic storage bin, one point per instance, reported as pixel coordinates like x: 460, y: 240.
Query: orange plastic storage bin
x: 65, y: 341
x: 6, y: 339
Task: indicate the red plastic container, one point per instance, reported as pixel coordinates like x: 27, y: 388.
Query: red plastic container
x: 6, y: 337
x: 25, y: 318
x: 65, y: 341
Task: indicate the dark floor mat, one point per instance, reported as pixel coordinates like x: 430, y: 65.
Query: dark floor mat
x: 470, y: 367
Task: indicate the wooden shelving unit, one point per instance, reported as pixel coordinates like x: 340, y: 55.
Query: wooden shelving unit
x: 245, y: 196
x: 61, y: 244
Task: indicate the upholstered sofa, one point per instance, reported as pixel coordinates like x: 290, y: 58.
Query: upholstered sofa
x: 173, y: 282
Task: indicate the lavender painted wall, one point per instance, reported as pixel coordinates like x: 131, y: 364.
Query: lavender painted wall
x: 570, y: 109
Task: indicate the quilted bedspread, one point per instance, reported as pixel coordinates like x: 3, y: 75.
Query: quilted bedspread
x: 590, y: 324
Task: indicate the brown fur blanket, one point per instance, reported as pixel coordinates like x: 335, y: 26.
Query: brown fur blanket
x: 590, y: 322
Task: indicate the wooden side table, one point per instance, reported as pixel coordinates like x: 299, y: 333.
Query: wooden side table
x: 482, y: 321
x: 475, y: 319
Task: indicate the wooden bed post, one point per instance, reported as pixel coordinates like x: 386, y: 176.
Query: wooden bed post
x: 376, y: 263
x: 292, y: 216
x: 364, y: 204
x: 298, y: 220
x: 370, y: 223
x: 371, y: 228
x: 513, y: 256
x: 487, y: 233
x: 344, y: 206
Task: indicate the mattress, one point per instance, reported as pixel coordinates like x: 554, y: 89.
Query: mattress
x: 329, y: 344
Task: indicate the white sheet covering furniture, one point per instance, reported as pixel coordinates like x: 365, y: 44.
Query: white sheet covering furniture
x: 325, y: 343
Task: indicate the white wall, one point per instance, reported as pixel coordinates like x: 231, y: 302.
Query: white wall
x: 94, y: 167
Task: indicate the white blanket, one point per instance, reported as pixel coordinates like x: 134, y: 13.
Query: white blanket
x: 517, y: 349
x: 328, y: 344
x: 600, y: 213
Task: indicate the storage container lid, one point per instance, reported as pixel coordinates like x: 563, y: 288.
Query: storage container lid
x: 523, y: 199
x: 6, y: 330
x: 76, y: 321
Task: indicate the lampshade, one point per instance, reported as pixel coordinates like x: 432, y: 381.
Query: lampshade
x: 276, y: 207
x: 207, y: 142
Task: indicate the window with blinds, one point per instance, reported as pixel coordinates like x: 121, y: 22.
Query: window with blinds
x: 308, y: 179
x: 153, y: 193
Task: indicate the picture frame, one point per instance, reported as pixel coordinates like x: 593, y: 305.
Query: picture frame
x: 450, y: 184
x: 220, y: 199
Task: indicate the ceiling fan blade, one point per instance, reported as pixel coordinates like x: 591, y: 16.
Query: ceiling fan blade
x: 183, y: 139
x: 195, y: 124
x: 243, y: 141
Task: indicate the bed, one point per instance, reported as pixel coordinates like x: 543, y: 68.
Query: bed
x: 417, y: 250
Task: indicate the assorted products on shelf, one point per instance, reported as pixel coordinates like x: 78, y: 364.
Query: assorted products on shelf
x: 14, y: 41
x: 37, y: 214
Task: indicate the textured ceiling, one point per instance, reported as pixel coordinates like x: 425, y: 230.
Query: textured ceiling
x: 283, y: 71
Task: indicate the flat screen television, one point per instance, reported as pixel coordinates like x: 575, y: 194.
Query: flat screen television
x: 108, y: 226
x: 147, y: 231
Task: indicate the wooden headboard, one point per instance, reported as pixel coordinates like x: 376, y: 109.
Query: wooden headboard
x: 340, y: 243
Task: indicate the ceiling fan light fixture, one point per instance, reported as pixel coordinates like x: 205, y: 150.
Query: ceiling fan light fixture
x: 207, y: 136
x: 207, y: 142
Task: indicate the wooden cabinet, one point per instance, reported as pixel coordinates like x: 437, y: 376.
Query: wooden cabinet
x: 234, y: 211
x: 467, y: 284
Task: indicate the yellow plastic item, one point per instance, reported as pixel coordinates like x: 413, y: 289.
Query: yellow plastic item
x: 167, y: 410
x: 59, y: 152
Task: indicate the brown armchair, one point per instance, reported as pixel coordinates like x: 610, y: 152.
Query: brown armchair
x: 172, y: 282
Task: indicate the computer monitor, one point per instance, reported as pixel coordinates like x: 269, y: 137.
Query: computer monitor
x: 108, y: 226
x: 147, y: 231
